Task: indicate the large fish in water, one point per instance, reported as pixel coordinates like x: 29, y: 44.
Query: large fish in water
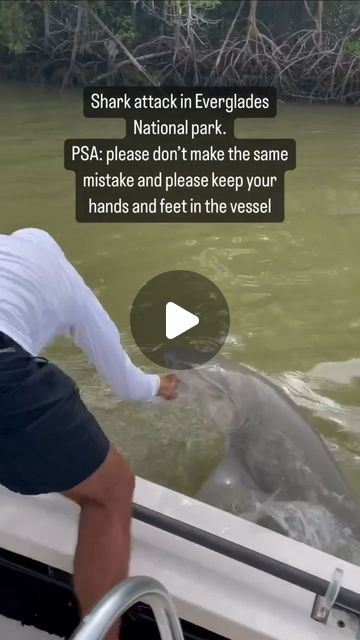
x: 273, y: 456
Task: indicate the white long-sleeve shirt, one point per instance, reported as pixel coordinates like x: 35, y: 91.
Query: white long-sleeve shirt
x: 43, y: 296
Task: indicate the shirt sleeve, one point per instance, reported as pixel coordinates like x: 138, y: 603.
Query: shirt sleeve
x: 95, y: 333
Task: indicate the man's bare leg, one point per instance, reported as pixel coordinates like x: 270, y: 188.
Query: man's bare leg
x: 103, y: 548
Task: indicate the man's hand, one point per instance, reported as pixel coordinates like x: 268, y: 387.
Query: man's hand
x: 168, y: 387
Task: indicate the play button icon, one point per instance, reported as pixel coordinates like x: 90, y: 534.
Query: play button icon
x: 179, y: 310
x: 178, y: 320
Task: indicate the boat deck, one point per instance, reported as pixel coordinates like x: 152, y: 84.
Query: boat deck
x: 13, y: 630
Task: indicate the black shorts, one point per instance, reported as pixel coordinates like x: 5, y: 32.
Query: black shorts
x: 49, y: 441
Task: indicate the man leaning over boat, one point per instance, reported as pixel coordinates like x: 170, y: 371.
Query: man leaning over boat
x: 49, y: 441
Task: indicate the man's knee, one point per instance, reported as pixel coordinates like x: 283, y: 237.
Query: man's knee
x: 111, y: 485
x: 118, y: 482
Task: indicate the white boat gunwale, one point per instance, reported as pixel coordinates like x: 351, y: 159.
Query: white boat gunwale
x: 210, y: 590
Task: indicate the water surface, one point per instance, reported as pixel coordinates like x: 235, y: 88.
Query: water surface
x: 292, y: 288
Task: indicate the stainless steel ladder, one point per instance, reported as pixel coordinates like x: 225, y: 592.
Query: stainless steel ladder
x: 123, y: 596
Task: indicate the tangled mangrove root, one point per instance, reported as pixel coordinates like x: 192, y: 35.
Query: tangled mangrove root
x: 78, y: 48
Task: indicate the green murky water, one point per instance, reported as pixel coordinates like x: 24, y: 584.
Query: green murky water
x: 292, y: 288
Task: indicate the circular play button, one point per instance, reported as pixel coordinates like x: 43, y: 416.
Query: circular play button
x: 179, y: 310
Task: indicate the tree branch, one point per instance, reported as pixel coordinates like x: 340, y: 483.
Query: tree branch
x: 121, y: 45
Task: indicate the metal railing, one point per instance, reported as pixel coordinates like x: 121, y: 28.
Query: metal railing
x: 345, y: 598
x: 123, y: 596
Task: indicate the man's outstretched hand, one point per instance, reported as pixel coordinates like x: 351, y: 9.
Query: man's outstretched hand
x: 168, y: 386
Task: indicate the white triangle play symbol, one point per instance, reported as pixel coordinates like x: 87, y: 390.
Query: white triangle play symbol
x: 178, y: 320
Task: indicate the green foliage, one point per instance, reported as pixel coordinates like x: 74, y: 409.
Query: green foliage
x: 118, y: 16
x: 14, y: 27
x: 353, y: 46
x: 126, y: 30
x: 198, y: 6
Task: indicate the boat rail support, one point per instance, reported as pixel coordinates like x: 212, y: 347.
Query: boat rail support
x: 123, y: 596
x: 327, y: 612
x: 324, y: 604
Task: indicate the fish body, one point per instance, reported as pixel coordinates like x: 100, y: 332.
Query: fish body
x: 272, y: 452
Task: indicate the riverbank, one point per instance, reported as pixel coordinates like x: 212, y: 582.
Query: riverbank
x: 308, y: 53
x: 328, y: 76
